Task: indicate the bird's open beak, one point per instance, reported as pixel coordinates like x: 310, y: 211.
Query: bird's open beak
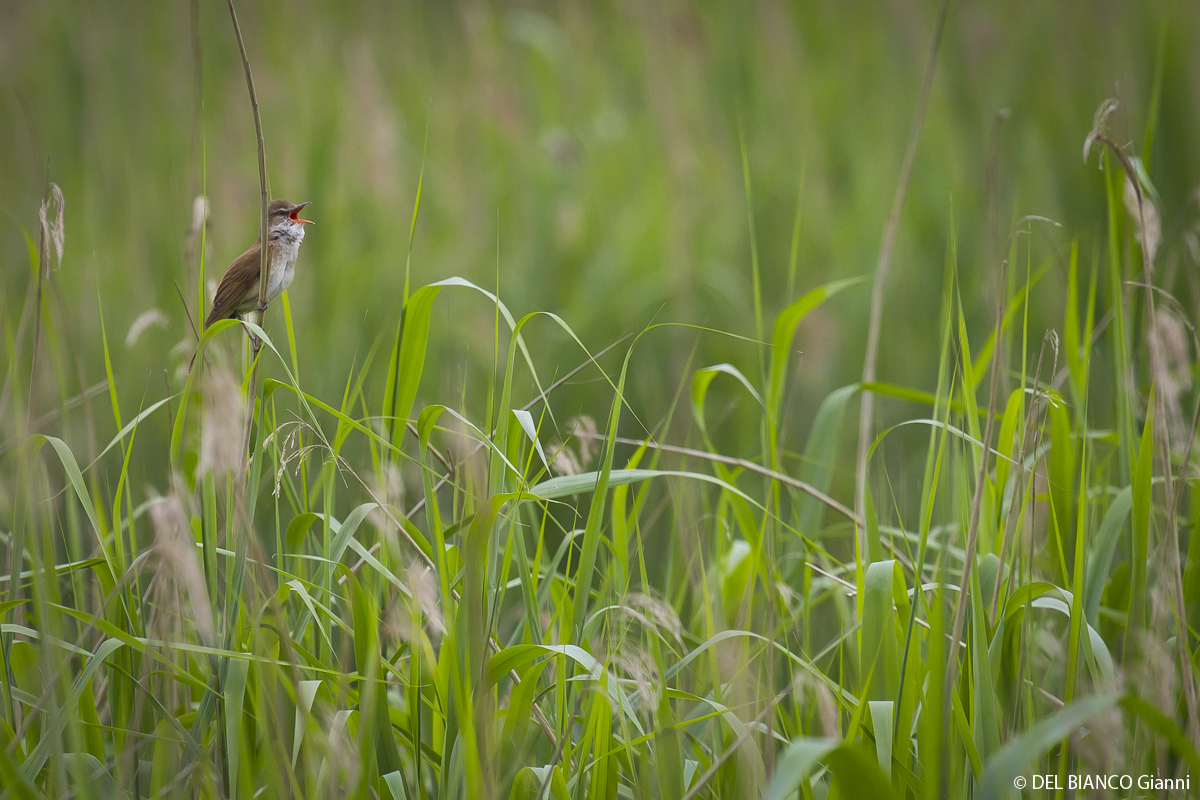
x: 295, y: 215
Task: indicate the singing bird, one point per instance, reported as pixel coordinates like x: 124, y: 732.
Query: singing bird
x: 238, y: 291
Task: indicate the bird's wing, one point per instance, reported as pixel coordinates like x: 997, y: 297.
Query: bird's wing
x: 239, y: 284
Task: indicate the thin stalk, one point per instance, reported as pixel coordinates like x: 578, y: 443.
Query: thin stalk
x: 43, y: 267
x: 264, y: 263
x: 867, y: 404
x: 237, y: 500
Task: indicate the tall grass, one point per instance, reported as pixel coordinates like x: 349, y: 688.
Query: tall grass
x: 393, y: 594
x: 496, y: 630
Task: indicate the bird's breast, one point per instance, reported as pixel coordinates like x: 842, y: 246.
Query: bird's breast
x: 283, y: 267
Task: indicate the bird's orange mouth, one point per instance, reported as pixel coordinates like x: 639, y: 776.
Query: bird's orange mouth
x: 295, y: 215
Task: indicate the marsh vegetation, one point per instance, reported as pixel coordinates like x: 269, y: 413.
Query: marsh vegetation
x: 549, y: 478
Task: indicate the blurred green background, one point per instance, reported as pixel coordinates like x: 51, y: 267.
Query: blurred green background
x: 586, y: 156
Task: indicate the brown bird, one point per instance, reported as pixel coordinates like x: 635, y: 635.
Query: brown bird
x: 238, y: 291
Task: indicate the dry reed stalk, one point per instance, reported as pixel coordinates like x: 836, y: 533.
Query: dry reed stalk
x: 264, y: 264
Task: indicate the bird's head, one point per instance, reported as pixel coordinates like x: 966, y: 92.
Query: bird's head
x: 283, y: 215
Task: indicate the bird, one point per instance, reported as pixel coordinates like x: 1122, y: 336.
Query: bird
x: 237, y: 293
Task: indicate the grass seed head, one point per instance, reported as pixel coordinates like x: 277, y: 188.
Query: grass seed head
x: 583, y: 429
x: 640, y: 668
x: 1099, y: 124
x: 827, y: 710
x: 179, y: 570
x: 54, y: 234
x: 1191, y: 240
x: 1147, y: 219
x: 199, y: 214
x: 222, y: 424
x: 150, y: 318
x: 1170, y: 363
x: 563, y: 459
x: 1101, y: 743
x: 388, y: 490
x: 566, y: 459
x: 652, y: 612
x: 1152, y: 673
x: 342, y: 754
x: 424, y: 590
